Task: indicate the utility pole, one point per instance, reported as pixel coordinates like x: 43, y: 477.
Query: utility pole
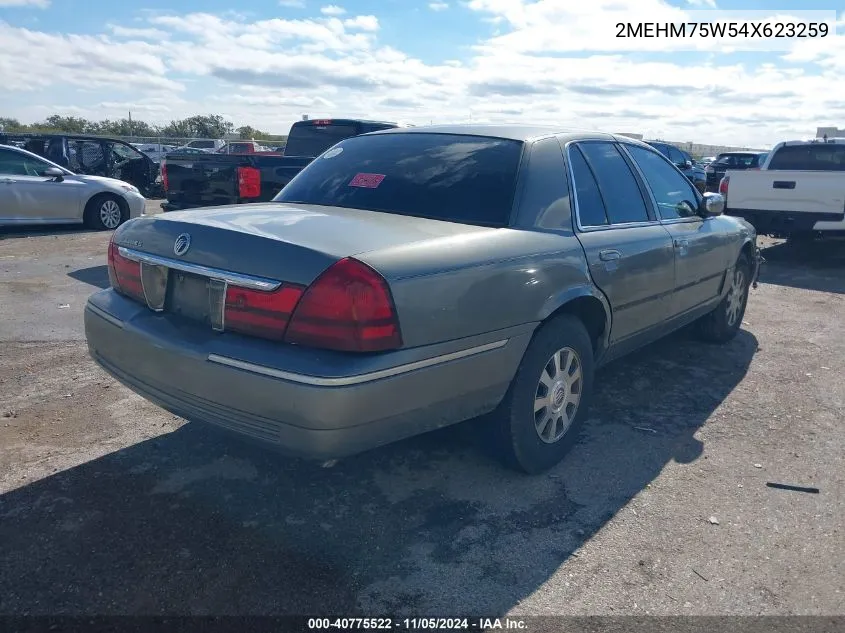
x: 130, y: 123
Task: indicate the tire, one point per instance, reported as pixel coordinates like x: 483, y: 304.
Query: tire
x: 516, y: 431
x: 105, y: 212
x: 722, y: 324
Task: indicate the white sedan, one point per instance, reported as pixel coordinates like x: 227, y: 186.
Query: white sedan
x: 34, y: 190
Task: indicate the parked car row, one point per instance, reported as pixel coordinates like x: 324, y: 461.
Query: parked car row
x: 92, y: 156
x: 413, y: 278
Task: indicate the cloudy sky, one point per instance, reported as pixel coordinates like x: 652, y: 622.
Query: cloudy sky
x: 266, y: 62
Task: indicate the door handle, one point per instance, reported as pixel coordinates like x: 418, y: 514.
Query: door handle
x: 681, y: 243
x: 783, y: 184
x: 609, y: 255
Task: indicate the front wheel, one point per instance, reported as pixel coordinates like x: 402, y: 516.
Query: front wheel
x: 539, y: 419
x: 105, y: 212
x: 722, y: 324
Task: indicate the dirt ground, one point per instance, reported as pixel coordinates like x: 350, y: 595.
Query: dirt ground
x: 109, y: 505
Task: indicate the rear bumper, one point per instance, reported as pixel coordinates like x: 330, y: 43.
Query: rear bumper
x: 304, y: 402
x: 783, y: 222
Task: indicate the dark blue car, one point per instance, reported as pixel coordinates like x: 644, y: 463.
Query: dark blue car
x: 682, y: 161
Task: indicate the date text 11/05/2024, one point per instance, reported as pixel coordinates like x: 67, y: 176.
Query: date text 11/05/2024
x: 733, y: 30
x: 416, y: 624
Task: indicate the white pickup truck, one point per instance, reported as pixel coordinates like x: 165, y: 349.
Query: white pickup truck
x: 799, y: 191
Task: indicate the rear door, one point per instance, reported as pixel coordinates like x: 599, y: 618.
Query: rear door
x: 629, y: 253
x: 701, y: 245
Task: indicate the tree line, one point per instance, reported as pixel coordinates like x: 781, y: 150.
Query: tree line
x: 197, y: 126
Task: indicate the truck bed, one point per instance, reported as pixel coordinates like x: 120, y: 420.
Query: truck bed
x: 197, y: 180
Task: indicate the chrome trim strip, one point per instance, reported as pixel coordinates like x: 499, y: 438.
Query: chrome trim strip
x: 234, y: 279
x: 358, y: 379
x: 104, y: 315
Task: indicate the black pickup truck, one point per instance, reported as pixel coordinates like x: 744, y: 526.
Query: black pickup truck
x: 211, y: 179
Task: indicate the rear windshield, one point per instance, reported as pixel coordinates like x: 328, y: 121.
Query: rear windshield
x: 467, y: 179
x: 814, y: 157
x: 309, y: 139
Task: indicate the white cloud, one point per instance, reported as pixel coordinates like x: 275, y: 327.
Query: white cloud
x: 266, y: 73
x: 141, y: 34
x: 438, y: 6
x: 702, y: 3
x: 39, y: 4
x: 332, y: 9
x: 363, y: 22
x: 537, y: 27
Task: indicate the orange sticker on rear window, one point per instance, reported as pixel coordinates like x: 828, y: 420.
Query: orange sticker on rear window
x: 368, y: 181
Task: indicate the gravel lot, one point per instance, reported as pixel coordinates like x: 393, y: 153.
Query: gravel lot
x: 110, y: 505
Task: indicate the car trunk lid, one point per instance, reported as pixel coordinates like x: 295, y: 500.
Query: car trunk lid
x: 188, y: 259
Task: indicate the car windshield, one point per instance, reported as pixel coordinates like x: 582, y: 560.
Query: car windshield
x: 467, y: 179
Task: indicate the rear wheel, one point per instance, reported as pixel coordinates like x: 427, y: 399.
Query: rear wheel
x: 538, y: 421
x: 722, y: 324
x: 105, y: 212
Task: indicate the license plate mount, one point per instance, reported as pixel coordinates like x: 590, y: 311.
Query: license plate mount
x: 154, y: 282
x: 188, y: 296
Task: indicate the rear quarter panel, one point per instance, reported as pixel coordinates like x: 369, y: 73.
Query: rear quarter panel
x: 466, y: 285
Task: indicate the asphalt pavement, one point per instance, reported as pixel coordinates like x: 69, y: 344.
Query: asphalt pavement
x: 110, y: 505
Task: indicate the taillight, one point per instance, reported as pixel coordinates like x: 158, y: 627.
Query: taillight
x: 348, y: 308
x: 125, y: 274
x: 723, y: 186
x: 260, y: 313
x: 164, y: 174
x: 249, y: 182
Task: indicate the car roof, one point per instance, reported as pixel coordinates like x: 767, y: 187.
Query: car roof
x: 752, y: 152
x: 514, y: 132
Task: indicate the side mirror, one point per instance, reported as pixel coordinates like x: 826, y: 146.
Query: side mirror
x: 712, y: 204
x: 688, y: 164
x: 55, y: 172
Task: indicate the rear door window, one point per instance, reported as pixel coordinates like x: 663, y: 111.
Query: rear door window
x: 457, y: 178
x: 591, y: 211
x: 618, y: 186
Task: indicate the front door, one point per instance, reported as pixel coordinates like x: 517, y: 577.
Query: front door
x: 700, y: 244
x: 30, y: 196
x: 630, y: 255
